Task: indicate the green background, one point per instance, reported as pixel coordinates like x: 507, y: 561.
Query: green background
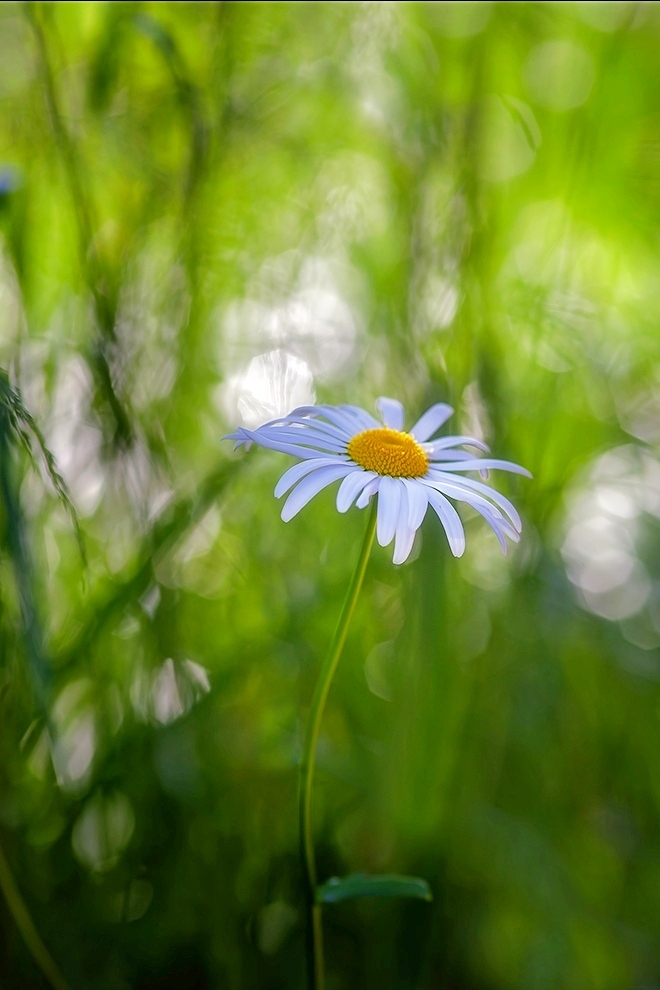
x: 211, y: 211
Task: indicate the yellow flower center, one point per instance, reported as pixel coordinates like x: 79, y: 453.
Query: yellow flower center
x: 387, y: 451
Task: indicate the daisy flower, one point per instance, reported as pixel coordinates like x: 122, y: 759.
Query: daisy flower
x: 408, y: 471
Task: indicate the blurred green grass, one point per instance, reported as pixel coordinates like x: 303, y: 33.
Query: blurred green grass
x: 210, y: 212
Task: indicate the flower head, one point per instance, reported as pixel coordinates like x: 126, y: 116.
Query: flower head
x: 408, y: 471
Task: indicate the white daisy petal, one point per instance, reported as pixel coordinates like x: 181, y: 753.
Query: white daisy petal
x: 447, y: 442
x: 284, y: 448
x: 490, y: 512
x: 506, y: 529
x: 351, y: 487
x: 298, y: 472
x: 456, y: 490
x: 403, y: 544
x: 338, y: 433
x: 444, y: 456
x: 361, y: 418
x: 477, y: 486
x: 311, y: 486
x: 391, y: 411
x: 283, y: 422
x: 306, y: 435
x: 483, y: 464
x: 368, y: 491
x: 417, y: 502
x: 239, y: 438
x: 431, y: 421
x: 451, y: 521
x: 389, y: 502
x: 499, y: 533
x: 320, y: 414
x: 405, y: 534
x: 501, y: 527
x: 342, y: 416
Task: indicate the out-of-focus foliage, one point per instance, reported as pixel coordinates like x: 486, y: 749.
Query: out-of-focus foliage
x: 210, y: 213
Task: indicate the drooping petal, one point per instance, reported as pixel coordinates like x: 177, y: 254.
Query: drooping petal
x: 403, y: 544
x: 499, y: 533
x: 469, y: 484
x: 455, y: 490
x: 298, y: 472
x: 418, y: 502
x: 392, y: 412
x: 405, y: 533
x: 368, y: 491
x: 351, y: 487
x: 431, y: 421
x: 501, y: 526
x: 389, y: 502
x: 451, y: 521
x: 311, y: 486
x: 506, y: 526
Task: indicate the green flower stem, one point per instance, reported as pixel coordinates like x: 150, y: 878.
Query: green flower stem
x: 27, y: 928
x: 314, y: 935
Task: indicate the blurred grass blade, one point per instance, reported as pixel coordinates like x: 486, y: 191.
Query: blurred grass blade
x: 360, y: 885
x: 15, y: 538
x: 27, y: 928
x: 21, y: 427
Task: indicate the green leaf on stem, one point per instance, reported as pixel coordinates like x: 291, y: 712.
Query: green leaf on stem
x: 361, y: 885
